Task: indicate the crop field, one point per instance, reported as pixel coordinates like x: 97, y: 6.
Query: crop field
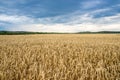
x: 60, y: 57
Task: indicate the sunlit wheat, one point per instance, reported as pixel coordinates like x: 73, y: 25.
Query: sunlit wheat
x: 60, y: 57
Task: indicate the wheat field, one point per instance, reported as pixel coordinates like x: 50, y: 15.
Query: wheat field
x: 60, y: 57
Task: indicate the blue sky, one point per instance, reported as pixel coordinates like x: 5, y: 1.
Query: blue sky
x: 60, y: 15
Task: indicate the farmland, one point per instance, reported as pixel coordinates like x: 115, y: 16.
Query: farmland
x: 60, y: 57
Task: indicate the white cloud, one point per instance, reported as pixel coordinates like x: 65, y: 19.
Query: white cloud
x: 44, y: 28
x: 72, y: 23
x: 67, y: 28
x: 86, y: 26
x: 15, y: 19
x: 90, y: 3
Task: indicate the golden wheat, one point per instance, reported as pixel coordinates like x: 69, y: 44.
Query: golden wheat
x: 60, y: 57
